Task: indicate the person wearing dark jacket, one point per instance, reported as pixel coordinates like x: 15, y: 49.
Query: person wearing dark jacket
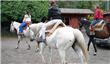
x: 54, y: 12
x: 54, y: 19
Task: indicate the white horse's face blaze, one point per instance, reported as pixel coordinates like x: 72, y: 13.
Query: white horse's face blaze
x: 12, y: 27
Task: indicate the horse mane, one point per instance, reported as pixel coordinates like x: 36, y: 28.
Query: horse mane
x: 16, y: 22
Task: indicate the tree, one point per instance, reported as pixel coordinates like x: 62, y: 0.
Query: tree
x: 12, y: 10
x: 81, y: 4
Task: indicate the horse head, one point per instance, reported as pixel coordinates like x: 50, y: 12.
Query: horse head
x: 12, y: 27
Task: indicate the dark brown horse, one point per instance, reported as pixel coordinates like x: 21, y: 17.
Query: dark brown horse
x: 102, y: 34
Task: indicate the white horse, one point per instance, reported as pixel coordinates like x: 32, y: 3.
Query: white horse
x: 28, y: 33
x: 62, y: 39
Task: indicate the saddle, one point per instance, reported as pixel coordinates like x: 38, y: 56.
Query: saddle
x: 24, y: 28
x: 50, y: 27
x: 99, y: 26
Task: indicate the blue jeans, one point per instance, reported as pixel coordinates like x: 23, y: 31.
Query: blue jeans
x: 95, y: 22
x: 23, y: 24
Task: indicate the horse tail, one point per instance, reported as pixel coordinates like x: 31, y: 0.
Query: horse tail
x: 81, y: 42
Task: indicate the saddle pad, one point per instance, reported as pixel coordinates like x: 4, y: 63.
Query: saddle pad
x: 100, y: 23
x: 99, y: 27
x: 48, y: 33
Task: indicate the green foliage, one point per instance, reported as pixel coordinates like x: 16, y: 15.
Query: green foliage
x: 15, y: 9
x: 12, y: 10
x: 81, y: 4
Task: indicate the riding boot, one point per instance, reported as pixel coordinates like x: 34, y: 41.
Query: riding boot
x: 95, y: 53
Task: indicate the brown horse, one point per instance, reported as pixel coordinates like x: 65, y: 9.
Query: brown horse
x: 101, y: 34
x: 104, y: 33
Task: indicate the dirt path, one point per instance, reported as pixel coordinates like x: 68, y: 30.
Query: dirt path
x: 10, y: 55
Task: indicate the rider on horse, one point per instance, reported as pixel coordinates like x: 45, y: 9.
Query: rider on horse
x: 54, y: 17
x: 98, y: 16
x: 26, y: 22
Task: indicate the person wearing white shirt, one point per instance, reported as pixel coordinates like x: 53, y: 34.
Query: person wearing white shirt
x: 26, y: 22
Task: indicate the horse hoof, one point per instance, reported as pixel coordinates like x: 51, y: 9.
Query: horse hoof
x: 95, y: 53
x: 37, y: 50
x: 28, y: 48
x: 16, y: 48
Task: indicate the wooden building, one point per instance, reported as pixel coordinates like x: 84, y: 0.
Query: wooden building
x: 72, y: 16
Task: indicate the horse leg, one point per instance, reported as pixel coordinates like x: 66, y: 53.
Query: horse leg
x: 19, y: 38
x: 29, y: 47
x: 50, y: 52
x: 62, y: 55
x: 42, y: 46
x: 37, y: 46
x: 18, y: 44
x: 79, y: 51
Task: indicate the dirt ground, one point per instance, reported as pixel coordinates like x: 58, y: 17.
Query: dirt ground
x: 10, y: 55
